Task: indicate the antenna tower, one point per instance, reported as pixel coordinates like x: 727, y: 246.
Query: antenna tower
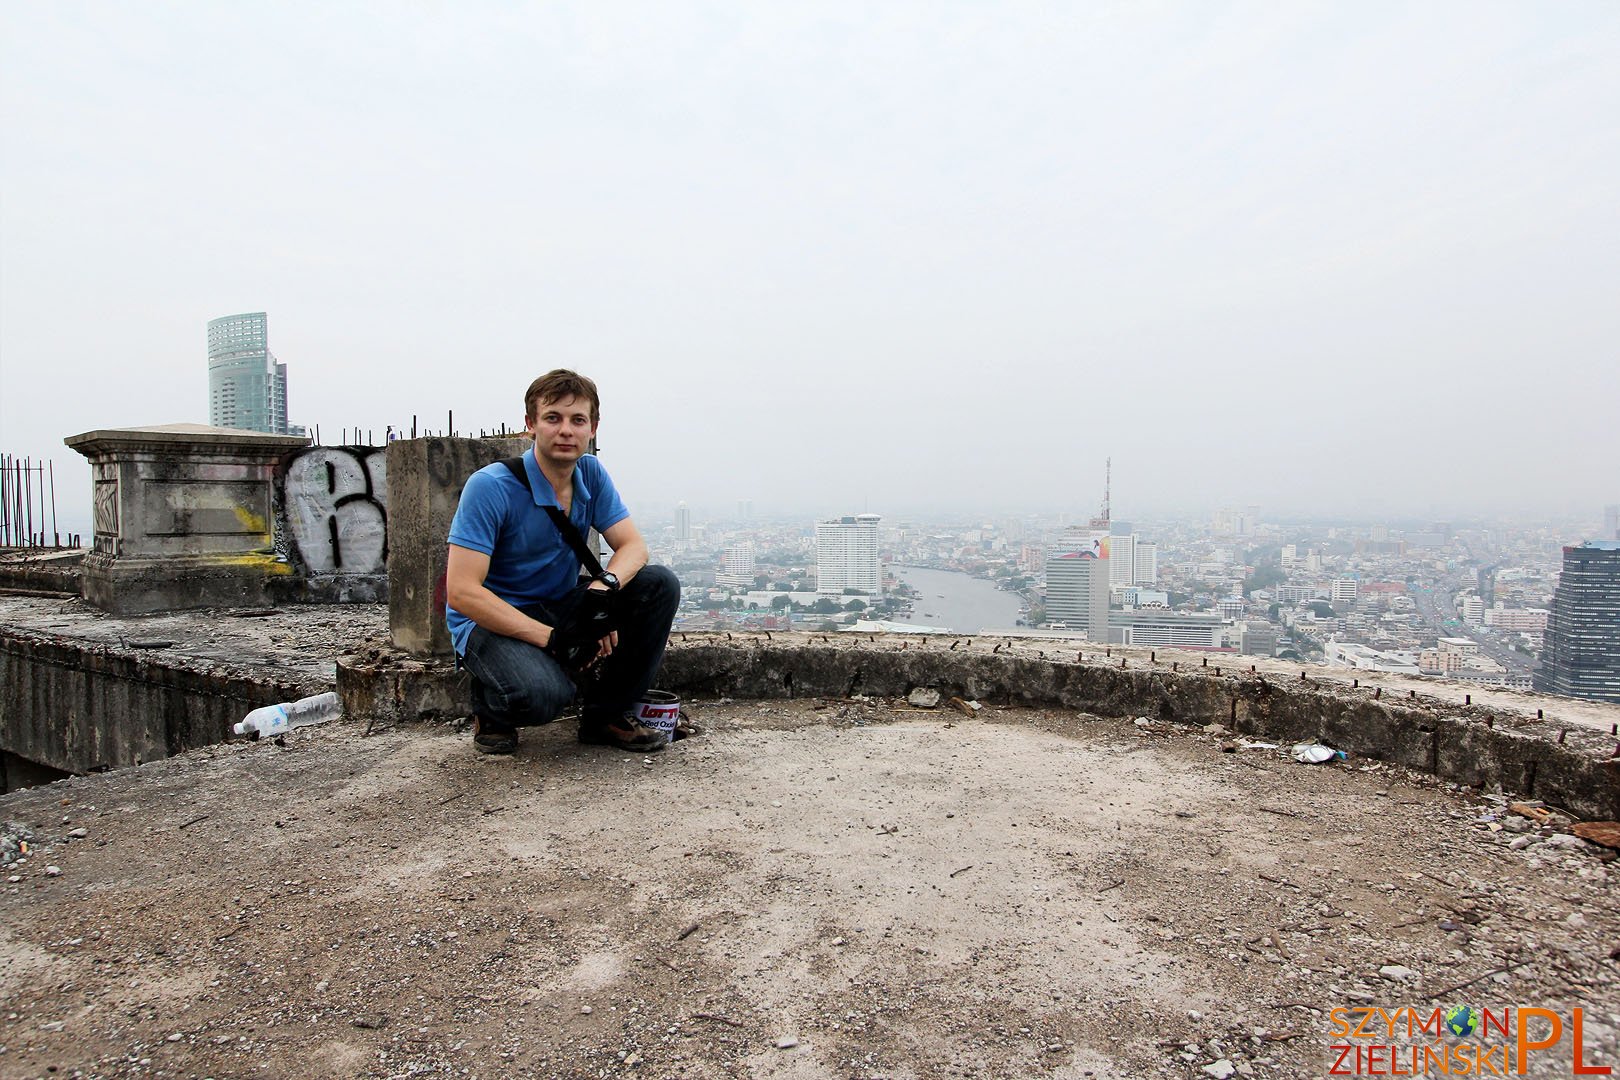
x: 1101, y: 521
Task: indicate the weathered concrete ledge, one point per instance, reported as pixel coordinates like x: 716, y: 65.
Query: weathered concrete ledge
x: 388, y: 685
x: 80, y: 705
x: 47, y: 573
x: 83, y: 706
x: 1573, y: 767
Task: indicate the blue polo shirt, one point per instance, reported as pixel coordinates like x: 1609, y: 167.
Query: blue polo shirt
x: 529, y: 561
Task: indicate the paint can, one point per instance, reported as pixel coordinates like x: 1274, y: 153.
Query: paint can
x: 659, y: 710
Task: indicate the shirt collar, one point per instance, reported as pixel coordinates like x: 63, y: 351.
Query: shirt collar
x: 541, y: 487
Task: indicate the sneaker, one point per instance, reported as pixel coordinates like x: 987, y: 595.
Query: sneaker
x: 624, y: 733
x: 490, y: 737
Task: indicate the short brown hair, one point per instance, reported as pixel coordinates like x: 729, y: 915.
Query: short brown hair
x: 556, y: 385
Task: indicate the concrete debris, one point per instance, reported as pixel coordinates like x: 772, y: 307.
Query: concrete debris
x: 1397, y: 973
x: 786, y: 1042
x: 1220, y: 1069
x: 924, y: 697
x: 15, y: 838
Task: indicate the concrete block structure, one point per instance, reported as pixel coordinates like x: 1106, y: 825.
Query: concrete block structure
x: 183, y: 517
x: 425, y: 478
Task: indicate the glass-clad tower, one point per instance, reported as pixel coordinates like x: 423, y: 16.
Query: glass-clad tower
x: 246, y: 387
x: 1580, y: 653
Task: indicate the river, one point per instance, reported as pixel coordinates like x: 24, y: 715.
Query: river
x: 959, y: 602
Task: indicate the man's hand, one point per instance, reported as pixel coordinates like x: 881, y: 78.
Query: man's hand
x: 587, y: 635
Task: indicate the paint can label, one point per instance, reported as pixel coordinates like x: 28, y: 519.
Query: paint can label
x: 659, y: 711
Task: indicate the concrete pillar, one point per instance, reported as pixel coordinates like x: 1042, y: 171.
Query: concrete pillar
x: 425, y: 478
x: 183, y: 517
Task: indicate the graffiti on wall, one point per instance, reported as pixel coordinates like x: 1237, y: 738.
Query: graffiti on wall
x: 335, y: 499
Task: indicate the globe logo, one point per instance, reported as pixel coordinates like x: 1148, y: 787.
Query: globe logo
x: 1462, y: 1020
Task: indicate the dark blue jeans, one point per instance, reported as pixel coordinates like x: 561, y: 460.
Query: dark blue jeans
x: 518, y: 684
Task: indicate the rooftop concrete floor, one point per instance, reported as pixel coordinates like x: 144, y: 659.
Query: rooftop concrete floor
x: 813, y: 888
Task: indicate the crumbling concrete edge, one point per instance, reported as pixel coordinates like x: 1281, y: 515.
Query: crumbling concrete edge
x: 78, y: 706
x: 82, y: 706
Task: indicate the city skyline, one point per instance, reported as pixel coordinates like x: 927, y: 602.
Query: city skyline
x: 1368, y: 252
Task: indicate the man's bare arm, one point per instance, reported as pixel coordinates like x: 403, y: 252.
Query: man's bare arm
x: 465, y: 590
x: 629, y: 550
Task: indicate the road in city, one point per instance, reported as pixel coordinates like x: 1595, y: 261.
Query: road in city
x: 1439, y: 609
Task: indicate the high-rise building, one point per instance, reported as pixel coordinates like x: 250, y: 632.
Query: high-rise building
x: 736, y: 566
x: 247, y: 388
x: 1122, y: 560
x: 1345, y: 590
x: 1581, y: 649
x: 847, y: 556
x: 1078, y: 578
x: 1611, y: 522
x: 1147, y: 563
x: 683, y: 523
x: 1132, y: 559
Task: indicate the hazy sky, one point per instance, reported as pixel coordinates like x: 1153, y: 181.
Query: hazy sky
x: 1358, y: 257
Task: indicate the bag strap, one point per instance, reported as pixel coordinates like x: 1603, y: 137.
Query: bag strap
x: 570, y: 533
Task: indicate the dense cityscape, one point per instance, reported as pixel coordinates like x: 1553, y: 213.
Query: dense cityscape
x: 1463, y: 601
x: 1478, y: 601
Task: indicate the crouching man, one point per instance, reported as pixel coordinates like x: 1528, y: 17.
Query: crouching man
x: 525, y: 625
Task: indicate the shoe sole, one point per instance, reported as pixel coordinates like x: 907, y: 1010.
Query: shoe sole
x: 649, y: 747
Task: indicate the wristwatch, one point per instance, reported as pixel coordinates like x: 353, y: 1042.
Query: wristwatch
x: 609, y: 580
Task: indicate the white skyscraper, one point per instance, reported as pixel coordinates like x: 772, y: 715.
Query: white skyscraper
x: 683, y: 523
x: 736, y: 566
x: 847, y: 556
x: 1122, y: 560
x: 1147, y: 563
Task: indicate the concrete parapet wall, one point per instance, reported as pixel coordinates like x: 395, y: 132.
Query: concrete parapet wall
x: 81, y: 707
x: 1573, y: 768
x: 57, y: 572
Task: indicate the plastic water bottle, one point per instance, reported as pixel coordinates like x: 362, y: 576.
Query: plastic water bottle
x: 272, y: 720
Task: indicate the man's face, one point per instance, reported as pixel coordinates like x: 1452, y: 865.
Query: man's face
x: 562, y: 429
